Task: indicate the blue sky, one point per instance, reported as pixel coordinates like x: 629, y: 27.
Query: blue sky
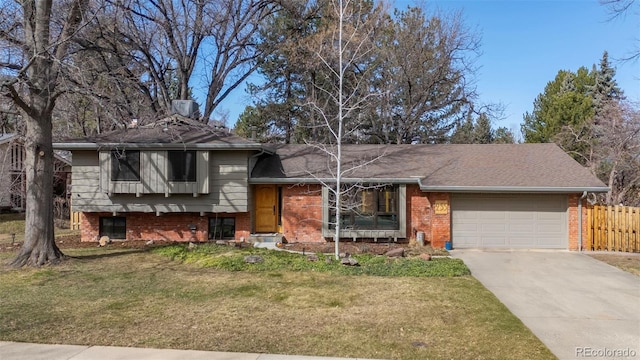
x: 525, y: 43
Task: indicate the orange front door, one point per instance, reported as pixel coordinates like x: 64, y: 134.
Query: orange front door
x: 266, y: 197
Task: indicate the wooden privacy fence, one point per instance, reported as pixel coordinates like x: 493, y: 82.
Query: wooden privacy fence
x: 613, y: 228
x: 75, y: 220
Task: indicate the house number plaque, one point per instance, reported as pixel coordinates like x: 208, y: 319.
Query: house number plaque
x: 441, y: 207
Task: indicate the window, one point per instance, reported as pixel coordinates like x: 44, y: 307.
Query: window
x: 368, y: 209
x: 182, y: 166
x: 222, y: 228
x: 115, y: 227
x: 125, y: 165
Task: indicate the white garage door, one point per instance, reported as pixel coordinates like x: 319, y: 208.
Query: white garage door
x: 509, y: 221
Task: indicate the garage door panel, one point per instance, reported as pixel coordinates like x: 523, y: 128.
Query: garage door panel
x: 493, y: 241
x: 509, y: 220
x: 521, y: 227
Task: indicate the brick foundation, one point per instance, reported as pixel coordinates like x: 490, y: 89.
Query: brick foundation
x: 420, y: 217
x: 167, y: 227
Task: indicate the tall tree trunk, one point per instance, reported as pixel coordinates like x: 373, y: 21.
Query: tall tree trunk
x: 39, y: 246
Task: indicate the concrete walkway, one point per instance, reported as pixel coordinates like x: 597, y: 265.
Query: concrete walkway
x: 26, y: 351
x: 577, y: 306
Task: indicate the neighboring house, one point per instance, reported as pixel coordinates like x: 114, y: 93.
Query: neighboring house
x: 181, y: 181
x: 13, y: 178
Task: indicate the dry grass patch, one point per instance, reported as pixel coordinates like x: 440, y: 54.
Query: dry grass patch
x: 629, y: 262
x: 136, y: 298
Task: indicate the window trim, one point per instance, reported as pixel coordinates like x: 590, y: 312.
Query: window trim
x: 327, y: 231
x: 110, y: 234
x: 191, y: 174
x: 113, y: 158
x: 221, y: 219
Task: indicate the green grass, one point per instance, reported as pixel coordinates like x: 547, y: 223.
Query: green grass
x: 223, y: 257
x: 13, y: 223
x: 113, y: 296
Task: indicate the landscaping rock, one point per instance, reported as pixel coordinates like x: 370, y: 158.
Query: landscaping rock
x: 149, y: 243
x: 253, y: 259
x: 313, y: 258
x: 221, y: 242
x: 399, y: 252
x: 191, y: 246
x: 104, y: 241
x: 349, y: 261
x: 425, y: 256
x: 328, y: 259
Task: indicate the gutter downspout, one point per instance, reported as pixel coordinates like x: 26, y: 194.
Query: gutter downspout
x: 584, y: 195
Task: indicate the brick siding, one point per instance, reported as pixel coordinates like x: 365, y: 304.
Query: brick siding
x: 167, y: 227
x: 302, y: 213
x: 573, y: 222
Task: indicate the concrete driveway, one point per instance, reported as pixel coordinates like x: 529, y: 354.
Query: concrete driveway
x: 577, y: 306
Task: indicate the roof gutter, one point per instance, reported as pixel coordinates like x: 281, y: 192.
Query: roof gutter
x: 427, y: 188
x: 101, y: 146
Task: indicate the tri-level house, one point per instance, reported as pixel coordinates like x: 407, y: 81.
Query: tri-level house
x: 180, y: 180
x: 175, y: 179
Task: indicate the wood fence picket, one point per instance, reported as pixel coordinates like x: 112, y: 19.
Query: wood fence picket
x: 613, y: 228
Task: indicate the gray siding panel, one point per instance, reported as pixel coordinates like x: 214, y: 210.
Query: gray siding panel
x: 222, y: 185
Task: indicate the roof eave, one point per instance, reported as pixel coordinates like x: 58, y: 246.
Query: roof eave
x: 515, y: 189
x: 426, y: 188
x: 101, y: 146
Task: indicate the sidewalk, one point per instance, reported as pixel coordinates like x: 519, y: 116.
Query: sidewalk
x: 26, y: 351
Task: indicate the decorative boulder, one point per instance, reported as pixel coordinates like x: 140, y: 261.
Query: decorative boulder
x: 104, y: 241
x: 313, y: 258
x: 349, y: 261
x: 191, y: 246
x: 253, y: 259
x: 399, y: 252
x: 425, y: 256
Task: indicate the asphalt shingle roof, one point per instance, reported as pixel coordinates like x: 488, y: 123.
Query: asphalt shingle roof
x: 172, y: 131
x: 515, y: 167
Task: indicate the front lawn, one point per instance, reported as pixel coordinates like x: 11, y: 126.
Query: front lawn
x: 132, y: 297
x: 629, y: 262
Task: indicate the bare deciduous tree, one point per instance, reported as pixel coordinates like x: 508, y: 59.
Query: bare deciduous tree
x: 173, y: 38
x: 341, y: 47
x: 35, y: 42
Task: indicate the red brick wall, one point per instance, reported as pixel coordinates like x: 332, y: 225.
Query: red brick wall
x: 418, y: 213
x: 420, y: 217
x: 168, y: 227
x: 574, y: 222
x: 302, y: 213
x: 440, y: 224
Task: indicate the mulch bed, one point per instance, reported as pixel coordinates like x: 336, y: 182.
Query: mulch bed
x: 73, y: 242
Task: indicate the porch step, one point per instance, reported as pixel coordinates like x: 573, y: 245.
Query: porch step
x: 265, y: 238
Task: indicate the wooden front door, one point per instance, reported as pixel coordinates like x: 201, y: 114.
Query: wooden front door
x: 266, y: 200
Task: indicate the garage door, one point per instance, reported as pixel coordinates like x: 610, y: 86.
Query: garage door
x: 509, y: 221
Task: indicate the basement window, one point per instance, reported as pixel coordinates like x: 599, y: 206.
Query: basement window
x: 115, y: 227
x: 222, y: 228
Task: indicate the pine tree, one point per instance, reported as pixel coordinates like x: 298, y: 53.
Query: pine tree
x: 606, y: 88
x: 482, y: 132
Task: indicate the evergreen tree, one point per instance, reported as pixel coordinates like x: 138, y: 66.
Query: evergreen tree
x: 482, y: 132
x: 565, y: 102
x: 464, y: 132
x: 606, y: 88
x: 504, y: 136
